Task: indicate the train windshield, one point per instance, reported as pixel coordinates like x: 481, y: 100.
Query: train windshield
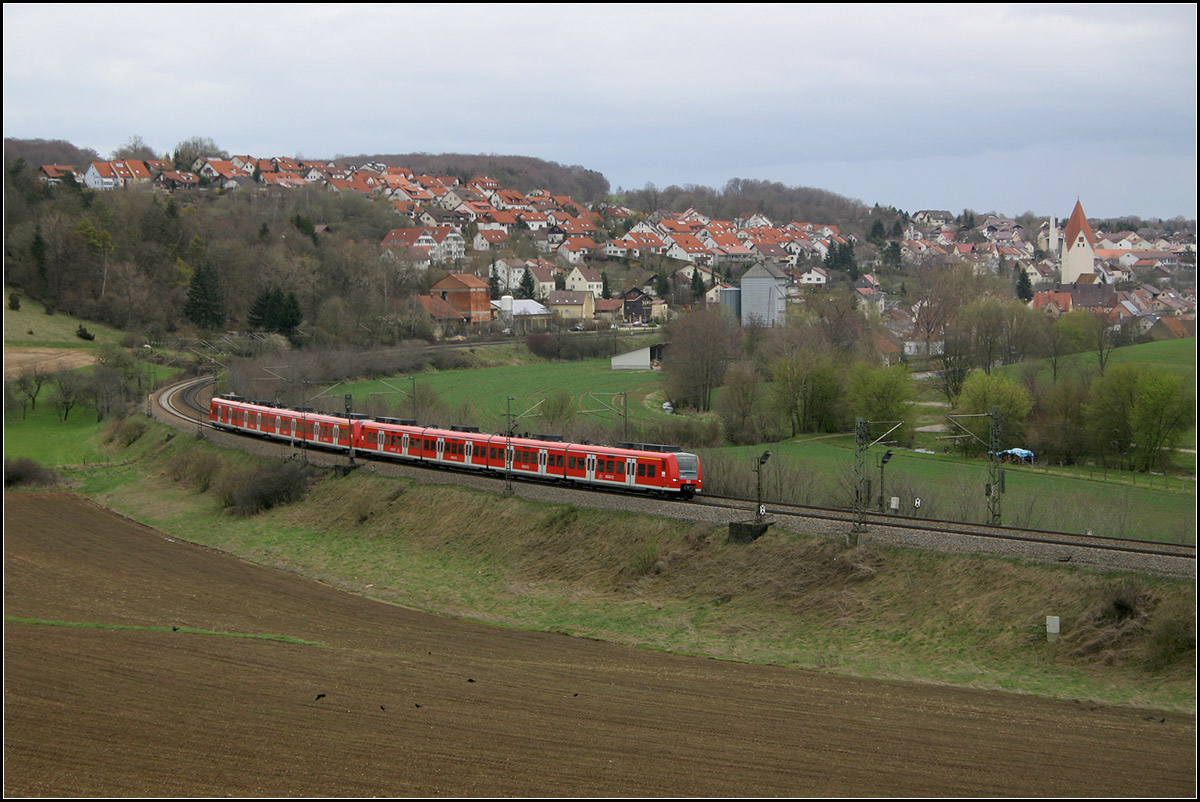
x: 689, y: 466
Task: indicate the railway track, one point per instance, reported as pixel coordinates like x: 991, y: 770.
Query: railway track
x: 186, y: 403
x: 877, y: 520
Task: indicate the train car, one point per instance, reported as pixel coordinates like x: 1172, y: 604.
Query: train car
x: 299, y: 427
x: 670, y: 473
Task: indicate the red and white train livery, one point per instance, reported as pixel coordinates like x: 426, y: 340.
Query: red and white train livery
x: 630, y: 468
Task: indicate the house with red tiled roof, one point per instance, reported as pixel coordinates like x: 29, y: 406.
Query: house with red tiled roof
x: 533, y: 220
x: 107, y: 175
x: 284, y: 180
x: 689, y: 248
x: 726, y: 248
x: 221, y: 171
x: 408, y: 191
x: 350, y: 185
x: 57, y: 173
x: 646, y: 242
x: 510, y: 200
x: 406, y: 208
x: 497, y: 219
x: 174, y: 179
x: 450, y: 245
x: 444, y: 244
x: 285, y: 164
x: 488, y: 238
x: 575, y: 249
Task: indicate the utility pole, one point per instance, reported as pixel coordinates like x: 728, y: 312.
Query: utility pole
x: 508, y: 427
x: 995, y: 483
x: 860, y: 481
x: 995, y: 472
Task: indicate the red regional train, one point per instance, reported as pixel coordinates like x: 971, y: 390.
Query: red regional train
x: 633, y: 467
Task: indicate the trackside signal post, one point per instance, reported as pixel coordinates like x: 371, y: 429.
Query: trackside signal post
x: 862, y: 485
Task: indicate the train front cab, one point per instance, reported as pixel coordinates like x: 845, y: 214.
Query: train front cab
x: 686, y: 474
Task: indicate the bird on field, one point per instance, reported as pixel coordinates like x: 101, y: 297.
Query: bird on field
x: 417, y: 705
x: 174, y: 629
x: 381, y: 707
x: 320, y: 696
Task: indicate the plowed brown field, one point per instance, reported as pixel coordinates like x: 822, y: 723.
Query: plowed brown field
x: 415, y: 704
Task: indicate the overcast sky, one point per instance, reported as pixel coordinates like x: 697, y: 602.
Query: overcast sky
x: 1006, y: 108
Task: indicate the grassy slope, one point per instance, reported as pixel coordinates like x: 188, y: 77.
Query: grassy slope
x: 789, y: 599
x: 50, y: 331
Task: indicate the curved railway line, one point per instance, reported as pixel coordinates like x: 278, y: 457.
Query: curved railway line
x: 185, y: 402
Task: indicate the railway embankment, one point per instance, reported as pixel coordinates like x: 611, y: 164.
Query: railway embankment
x: 790, y: 598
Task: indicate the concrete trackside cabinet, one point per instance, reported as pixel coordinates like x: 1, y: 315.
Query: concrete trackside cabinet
x: 747, y: 531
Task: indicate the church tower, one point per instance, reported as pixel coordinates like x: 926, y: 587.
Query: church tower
x: 1079, y: 247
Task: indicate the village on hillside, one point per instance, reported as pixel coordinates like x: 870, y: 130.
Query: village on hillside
x: 524, y: 262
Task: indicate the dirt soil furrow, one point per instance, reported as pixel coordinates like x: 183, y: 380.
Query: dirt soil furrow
x: 380, y: 700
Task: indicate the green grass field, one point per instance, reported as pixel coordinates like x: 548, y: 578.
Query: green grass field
x: 42, y: 437
x: 818, y: 470
x: 487, y: 390
x: 1176, y: 356
x: 50, y: 331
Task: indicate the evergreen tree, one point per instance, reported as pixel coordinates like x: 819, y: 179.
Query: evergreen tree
x: 878, y: 233
x: 289, y: 315
x: 892, y: 255
x: 528, y: 287
x: 605, y: 292
x: 37, y: 250
x: 205, y: 304
x: 1024, y: 286
x: 273, y: 311
x: 697, y: 286
x: 662, y: 285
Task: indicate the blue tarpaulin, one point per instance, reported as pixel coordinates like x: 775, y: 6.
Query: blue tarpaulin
x: 1017, y: 454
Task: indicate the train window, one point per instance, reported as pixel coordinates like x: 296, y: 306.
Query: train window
x: 558, y: 461
x: 641, y: 469
x: 621, y: 468
x: 650, y: 471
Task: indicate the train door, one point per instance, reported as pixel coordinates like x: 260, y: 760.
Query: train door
x: 630, y: 470
x: 441, y: 449
x: 541, y: 462
x: 508, y: 458
x: 591, y: 467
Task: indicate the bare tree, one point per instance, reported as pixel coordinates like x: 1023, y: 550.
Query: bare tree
x: 70, y: 388
x: 696, y: 362
x: 134, y: 148
x: 30, y: 383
